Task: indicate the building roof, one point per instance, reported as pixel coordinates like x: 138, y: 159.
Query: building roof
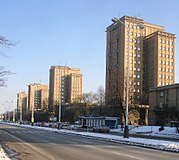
x: 172, y: 86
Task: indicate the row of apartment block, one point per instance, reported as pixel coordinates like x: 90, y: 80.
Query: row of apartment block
x: 146, y: 51
x: 65, y: 87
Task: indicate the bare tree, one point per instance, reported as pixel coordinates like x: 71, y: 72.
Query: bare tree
x: 3, y: 72
x: 100, y: 96
x: 88, y: 98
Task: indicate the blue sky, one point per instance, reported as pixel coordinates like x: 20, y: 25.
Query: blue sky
x: 69, y: 32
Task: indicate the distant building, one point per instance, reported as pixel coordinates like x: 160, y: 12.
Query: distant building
x: 37, y: 96
x: 65, y: 84
x: 22, y: 102
x: 164, y: 104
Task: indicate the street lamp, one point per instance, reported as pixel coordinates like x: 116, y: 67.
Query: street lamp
x: 32, y: 113
x: 115, y: 20
x: 60, y: 98
x: 126, y: 128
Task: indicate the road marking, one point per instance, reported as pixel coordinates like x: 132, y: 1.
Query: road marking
x: 33, y: 147
x: 120, y: 154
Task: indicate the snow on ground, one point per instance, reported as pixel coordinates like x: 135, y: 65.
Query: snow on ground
x: 3, y: 156
x: 152, y: 130
x: 150, y: 143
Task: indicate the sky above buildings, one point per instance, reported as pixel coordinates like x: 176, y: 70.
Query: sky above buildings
x: 72, y: 33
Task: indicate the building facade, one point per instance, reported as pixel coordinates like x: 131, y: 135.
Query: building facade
x: 143, y: 49
x: 37, y: 97
x: 22, y: 102
x: 164, y: 104
x: 65, y: 85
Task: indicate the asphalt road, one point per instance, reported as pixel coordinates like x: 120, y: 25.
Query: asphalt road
x: 33, y: 144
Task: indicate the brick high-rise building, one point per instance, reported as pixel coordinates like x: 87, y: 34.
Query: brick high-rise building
x: 68, y: 82
x: 22, y: 102
x: 37, y: 96
x: 151, y: 56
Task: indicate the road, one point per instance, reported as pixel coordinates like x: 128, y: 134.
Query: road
x: 34, y: 144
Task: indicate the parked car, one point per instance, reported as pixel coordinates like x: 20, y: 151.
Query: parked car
x: 101, y: 129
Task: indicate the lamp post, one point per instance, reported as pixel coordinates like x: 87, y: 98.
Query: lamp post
x: 60, y: 98
x: 32, y: 113
x: 13, y: 117
x: 115, y: 20
x: 126, y: 128
x: 21, y: 113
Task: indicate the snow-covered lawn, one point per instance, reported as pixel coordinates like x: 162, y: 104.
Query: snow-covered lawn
x: 168, y: 132
x: 150, y: 143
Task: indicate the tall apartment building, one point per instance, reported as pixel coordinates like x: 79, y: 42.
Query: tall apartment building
x: 65, y: 84
x: 37, y: 96
x: 22, y: 101
x: 151, y: 57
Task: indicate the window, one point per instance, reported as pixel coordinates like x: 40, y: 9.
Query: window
x: 138, y: 83
x: 161, y: 94
x: 138, y: 76
x: 138, y: 69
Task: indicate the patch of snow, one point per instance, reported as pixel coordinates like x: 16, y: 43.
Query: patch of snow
x: 3, y: 155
